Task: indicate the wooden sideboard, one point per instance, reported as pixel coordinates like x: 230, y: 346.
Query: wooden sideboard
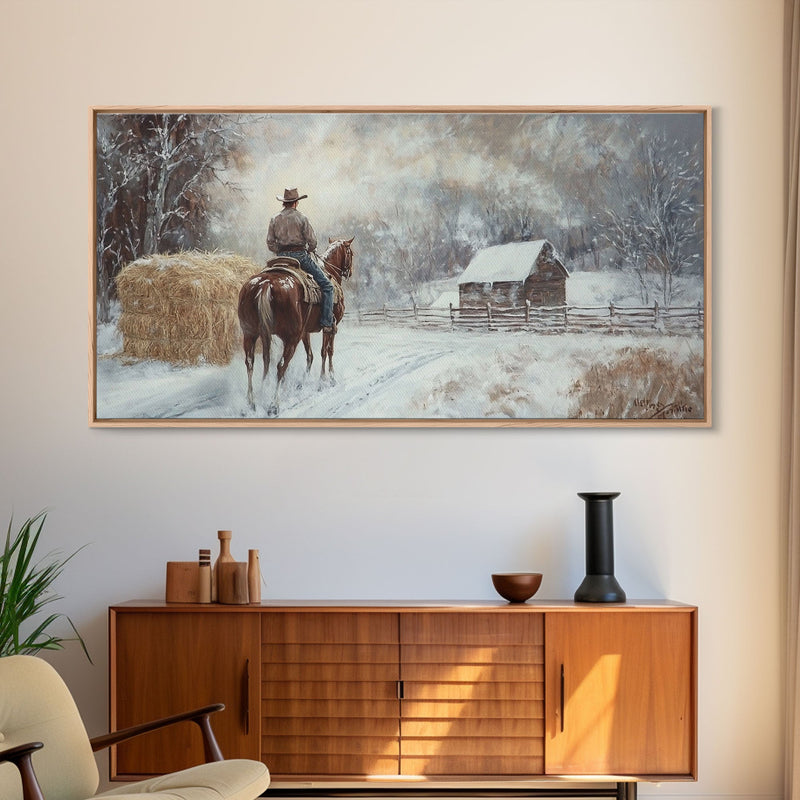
x: 367, y: 693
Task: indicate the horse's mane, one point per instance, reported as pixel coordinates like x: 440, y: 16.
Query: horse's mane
x: 332, y: 246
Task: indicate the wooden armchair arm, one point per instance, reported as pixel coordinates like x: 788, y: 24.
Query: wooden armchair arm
x: 20, y: 756
x: 199, y: 716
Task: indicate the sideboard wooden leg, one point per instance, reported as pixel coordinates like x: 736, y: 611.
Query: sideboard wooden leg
x: 627, y: 790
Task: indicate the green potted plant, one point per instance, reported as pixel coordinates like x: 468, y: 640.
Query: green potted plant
x: 26, y: 588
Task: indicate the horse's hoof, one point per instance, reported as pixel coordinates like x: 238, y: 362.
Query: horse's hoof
x: 272, y: 411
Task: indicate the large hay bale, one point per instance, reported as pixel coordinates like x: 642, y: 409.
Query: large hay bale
x: 181, y: 307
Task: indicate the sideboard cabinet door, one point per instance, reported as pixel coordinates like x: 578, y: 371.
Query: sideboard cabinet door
x: 472, y: 694
x: 167, y: 662
x: 329, y: 693
x: 620, y: 693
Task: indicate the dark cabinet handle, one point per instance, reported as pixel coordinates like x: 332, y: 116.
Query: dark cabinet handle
x: 561, y: 703
x: 246, y: 697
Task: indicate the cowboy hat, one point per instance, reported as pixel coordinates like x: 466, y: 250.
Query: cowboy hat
x: 291, y: 196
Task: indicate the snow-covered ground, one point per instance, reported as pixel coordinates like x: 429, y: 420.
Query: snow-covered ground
x: 395, y: 373
x: 381, y: 373
x: 621, y: 288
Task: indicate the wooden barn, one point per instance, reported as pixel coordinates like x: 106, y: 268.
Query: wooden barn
x: 509, y: 274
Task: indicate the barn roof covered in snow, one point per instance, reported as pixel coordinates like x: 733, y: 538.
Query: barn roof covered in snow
x: 509, y: 262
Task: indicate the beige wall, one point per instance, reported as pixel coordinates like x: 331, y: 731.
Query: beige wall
x: 697, y: 519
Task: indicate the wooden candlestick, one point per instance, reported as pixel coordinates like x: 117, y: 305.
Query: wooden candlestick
x: 204, y: 577
x: 253, y: 576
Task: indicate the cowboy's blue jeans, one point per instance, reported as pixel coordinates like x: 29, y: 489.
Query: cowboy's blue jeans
x: 311, y: 266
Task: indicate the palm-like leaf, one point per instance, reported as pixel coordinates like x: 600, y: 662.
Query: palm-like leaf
x: 26, y: 588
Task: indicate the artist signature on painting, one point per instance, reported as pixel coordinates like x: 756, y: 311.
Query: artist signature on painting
x: 656, y: 410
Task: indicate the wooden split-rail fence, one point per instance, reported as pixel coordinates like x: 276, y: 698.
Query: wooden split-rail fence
x: 549, y: 319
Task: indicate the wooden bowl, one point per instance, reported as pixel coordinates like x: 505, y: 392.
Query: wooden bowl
x: 517, y: 587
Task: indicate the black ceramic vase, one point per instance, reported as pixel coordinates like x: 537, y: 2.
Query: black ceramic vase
x: 599, y: 585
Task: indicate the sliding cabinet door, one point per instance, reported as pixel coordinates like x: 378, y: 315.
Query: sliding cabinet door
x: 620, y: 693
x: 473, y: 687
x: 167, y: 662
x: 329, y: 694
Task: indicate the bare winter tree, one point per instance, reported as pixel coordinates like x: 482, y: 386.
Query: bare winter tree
x: 658, y: 231
x: 423, y: 237
x: 406, y: 252
x: 508, y: 221
x: 114, y: 243
x: 184, y: 152
x: 153, y: 174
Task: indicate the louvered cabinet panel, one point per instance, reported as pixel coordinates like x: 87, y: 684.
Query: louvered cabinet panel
x: 472, y: 694
x: 329, y: 702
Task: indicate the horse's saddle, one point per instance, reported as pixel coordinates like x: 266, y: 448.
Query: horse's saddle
x: 312, y: 294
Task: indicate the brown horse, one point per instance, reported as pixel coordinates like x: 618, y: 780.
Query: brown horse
x: 272, y: 304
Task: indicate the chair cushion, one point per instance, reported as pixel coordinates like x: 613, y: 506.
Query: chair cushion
x: 236, y: 779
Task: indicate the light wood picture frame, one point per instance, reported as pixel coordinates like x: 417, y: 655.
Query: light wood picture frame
x: 500, y: 266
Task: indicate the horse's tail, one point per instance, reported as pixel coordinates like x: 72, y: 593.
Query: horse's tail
x: 265, y: 315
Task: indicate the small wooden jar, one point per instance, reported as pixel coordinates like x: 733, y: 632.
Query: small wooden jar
x: 232, y: 583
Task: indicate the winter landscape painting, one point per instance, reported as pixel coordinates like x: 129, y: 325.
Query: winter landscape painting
x: 488, y: 267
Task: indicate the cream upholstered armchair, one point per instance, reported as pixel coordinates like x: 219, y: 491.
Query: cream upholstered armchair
x: 46, y: 754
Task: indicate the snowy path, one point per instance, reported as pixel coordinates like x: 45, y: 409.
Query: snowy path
x: 349, y: 396
x: 381, y: 373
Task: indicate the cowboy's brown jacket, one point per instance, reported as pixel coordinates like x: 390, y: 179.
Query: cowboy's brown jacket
x: 290, y: 230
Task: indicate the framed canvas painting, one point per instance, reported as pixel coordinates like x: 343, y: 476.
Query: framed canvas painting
x: 400, y: 266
